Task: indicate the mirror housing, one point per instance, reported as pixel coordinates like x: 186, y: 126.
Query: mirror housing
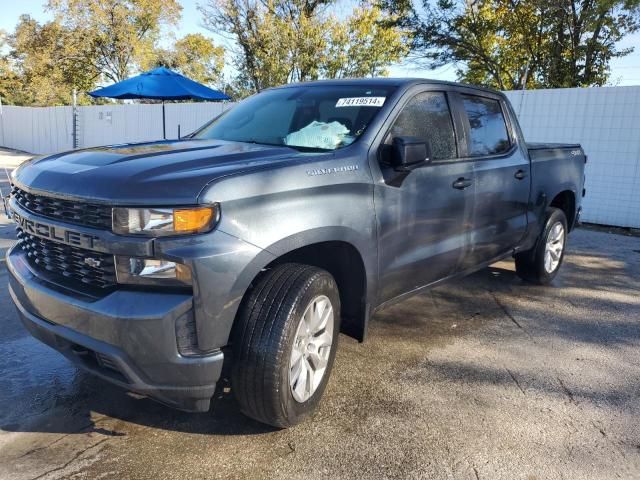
x: 409, y: 153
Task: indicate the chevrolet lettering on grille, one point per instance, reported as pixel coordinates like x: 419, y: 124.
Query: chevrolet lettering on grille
x: 58, y: 234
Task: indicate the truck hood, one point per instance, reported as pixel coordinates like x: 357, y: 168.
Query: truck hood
x: 159, y: 173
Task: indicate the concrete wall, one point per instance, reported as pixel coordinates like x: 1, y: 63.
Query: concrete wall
x: 606, y: 122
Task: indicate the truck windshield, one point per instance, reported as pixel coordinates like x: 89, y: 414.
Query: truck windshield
x: 314, y: 118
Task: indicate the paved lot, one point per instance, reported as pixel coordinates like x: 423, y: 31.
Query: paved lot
x: 9, y: 159
x: 489, y: 378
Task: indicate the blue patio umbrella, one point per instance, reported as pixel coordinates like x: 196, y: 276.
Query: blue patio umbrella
x: 160, y: 84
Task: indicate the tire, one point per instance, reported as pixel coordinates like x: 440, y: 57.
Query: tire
x: 540, y: 265
x: 269, y: 335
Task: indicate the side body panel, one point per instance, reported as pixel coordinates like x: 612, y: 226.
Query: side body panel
x: 555, y: 169
x: 422, y: 220
x: 326, y: 198
x: 422, y: 227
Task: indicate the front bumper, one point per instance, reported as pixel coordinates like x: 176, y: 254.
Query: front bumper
x: 126, y: 337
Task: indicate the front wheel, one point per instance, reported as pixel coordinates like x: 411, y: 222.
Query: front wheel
x: 284, y: 343
x: 541, y: 264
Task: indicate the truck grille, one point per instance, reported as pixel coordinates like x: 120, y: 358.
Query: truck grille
x: 79, y: 213
x: 67, y: 263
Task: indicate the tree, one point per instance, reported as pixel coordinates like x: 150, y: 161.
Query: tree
x: 9, y: 83
x: 196, y: 57
x: 281, y: 41
x: 364, y: 46
x: 512, y: 44
x: 273, y: 40
x: 122, y: 33
x: 45, y: 63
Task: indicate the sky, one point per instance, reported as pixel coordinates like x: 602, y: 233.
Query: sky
x: 624, y: 71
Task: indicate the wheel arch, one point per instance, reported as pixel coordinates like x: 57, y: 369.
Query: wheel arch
x: 344, y: 260
x: 566, y: 201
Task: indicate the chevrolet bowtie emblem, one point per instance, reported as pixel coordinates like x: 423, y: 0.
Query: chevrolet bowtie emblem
x: 92, y: 262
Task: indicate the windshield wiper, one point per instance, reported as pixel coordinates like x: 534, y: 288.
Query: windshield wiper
x: 301, y: 148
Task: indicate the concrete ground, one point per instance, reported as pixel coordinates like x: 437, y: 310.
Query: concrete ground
x: 9, y: 159
x: 488, y: 378
x: 12, y: 158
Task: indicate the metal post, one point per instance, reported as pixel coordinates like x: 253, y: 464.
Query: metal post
x: 164, y: 127
x: 2, y: 197
x: 2, y: 123
x: 74, y: 123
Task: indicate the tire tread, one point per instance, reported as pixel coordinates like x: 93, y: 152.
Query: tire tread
x: 258, y: 340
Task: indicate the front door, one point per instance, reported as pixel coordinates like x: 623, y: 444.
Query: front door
x: 423, y: 215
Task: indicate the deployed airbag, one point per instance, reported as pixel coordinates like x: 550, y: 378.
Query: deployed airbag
x: 318, y: 135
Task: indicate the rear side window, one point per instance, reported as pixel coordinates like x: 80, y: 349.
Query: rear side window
x: 487, y: 128
x: 427, y: 117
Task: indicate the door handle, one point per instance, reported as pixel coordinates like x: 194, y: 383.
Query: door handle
x: 462, y: 183
x: 520, y: 174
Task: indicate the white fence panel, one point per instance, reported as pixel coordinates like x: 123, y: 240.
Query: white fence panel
x: 191, y: 116
x: 36, y: 130
x: 114, y: 124
x: 606, y: 122
x: 49, y: 130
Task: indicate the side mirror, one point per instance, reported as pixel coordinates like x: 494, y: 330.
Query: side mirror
x: 409, y: 153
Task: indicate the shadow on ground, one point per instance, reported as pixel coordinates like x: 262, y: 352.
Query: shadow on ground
x: 464, y: 380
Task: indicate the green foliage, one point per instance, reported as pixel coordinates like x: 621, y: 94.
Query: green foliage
x: 364, y: 46
x: 122, y: 33
x: 9, y: 83
x: 88, y: 41
x: 196, y: 57
x: 509, y: 43
x: 280, y: 41
x: 45, y: 63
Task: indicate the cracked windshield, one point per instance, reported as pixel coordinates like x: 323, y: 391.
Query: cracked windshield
x: 306, y: 118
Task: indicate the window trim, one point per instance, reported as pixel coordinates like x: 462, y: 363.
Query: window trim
x: 464, y: 118
x: 452, y: 115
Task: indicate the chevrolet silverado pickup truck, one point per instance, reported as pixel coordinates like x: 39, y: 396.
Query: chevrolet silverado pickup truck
x: 292, y: 217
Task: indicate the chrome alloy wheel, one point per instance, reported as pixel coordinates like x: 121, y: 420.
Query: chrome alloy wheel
x: 311, y: 348
x: 553, y: 248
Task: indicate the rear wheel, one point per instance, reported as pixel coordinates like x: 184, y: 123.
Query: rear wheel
x: 284, y: 344
x: 541, y: 264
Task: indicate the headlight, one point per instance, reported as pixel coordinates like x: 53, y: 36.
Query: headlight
x: 151, y: 271
x: 158, y: 222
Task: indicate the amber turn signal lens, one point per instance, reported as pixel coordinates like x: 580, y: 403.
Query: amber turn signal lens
x: 192, y: 220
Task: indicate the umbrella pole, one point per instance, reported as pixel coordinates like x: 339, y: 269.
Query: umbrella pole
x: 164, y: 127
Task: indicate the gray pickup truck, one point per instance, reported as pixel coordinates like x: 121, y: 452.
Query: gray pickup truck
x: 291, y: 218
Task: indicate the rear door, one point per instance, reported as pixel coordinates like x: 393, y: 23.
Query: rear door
x: 422, y: 216
x: 501, y: 173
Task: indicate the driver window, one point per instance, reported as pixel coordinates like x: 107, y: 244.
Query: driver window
x: 427, y: 117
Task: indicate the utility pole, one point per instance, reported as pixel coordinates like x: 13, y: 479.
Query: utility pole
x: 524, y: 87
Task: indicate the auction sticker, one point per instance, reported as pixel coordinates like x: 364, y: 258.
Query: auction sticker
x: 360, y: 102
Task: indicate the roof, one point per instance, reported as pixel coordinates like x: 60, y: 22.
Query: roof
x: 384, y: 81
